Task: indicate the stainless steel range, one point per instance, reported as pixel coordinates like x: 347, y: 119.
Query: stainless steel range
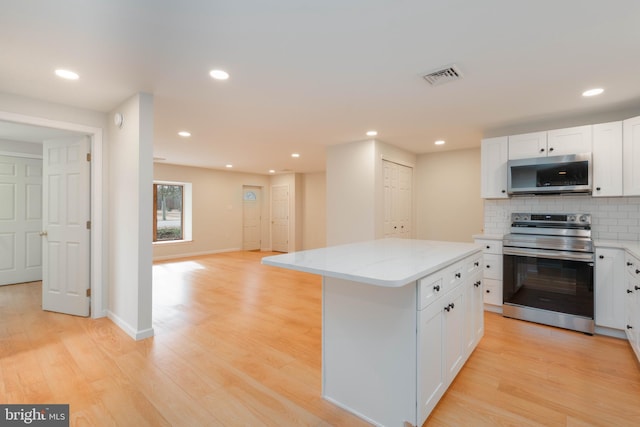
x: 548, y: 270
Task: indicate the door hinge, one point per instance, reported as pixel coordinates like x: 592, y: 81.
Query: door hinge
x: 88, y: 157
x: 89, y: 292
x: 88, y: 225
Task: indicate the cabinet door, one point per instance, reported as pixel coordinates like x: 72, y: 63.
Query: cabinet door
x: 631, y: 156
x: 607, y: 159
x: 575, y: 140
x: 454, y: 314
x: 610, y: 288
x: 474, y: 317
x: 494, y: 154
x: 431, y: 369
x: 631, y: 313
x: 528, y: 145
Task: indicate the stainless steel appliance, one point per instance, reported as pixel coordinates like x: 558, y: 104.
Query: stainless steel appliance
x: 548, y: 270
x: 550, y: 175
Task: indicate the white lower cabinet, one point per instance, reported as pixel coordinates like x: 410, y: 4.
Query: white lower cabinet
x: 632, y: 303
x: 492, y: 276
x: 449, y: 328
x: 609, y: 288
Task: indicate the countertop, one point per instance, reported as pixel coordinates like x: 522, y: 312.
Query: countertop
x: 386, y: 262
x: 631, y: 246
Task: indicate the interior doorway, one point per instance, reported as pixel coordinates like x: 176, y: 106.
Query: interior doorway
x: 251, y: 217
x: 22, y: 125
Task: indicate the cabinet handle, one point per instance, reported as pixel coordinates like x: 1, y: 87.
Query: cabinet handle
x: 436, y: 288
x: 477, y: 263
x: 542, y: 150
x: 447, y: 308
x: 629, y: 291
x: 452, y: 306
x: 636, y: 287
x: 504, y: 191
x: 629, y: 264
x: 629, y: 327
x: 637, y: 271
x: 458, y: 275
x: 488, y: 266
x: 601, y: 257
x: 488, y: 291
x: 597, y: 188
x: 550, y: 148
x: 478, y: 283
x: 488, y: 247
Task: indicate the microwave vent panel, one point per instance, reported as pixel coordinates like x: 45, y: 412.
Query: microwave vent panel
x: 444, y: 75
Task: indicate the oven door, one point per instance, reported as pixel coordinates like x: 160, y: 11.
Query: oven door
x: 555, y: 281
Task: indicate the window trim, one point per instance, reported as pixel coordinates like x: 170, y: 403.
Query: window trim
x: 187, y: 202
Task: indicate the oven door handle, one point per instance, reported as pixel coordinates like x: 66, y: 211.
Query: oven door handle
x: 544, y: 253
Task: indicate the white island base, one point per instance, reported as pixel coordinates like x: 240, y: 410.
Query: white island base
x: 400, y: 318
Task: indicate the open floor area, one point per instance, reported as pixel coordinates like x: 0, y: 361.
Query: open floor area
x: 239, y: 344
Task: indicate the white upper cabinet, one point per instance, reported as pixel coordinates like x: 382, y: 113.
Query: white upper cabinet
x: 575, y: 140
x: 607, y: 159
x: 494, y: 156
x: 631, y: 159
x: 528, y: 145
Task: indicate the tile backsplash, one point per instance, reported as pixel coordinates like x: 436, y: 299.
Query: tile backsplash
x: 612, y: 218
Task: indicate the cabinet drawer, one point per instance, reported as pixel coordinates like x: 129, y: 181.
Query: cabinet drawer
x: 492, y: 292
x: 430, y: 288
x: 493, y: 266
x: 490, y: 246
x: 474, y: 266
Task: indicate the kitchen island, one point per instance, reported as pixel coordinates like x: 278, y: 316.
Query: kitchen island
x: 399, y: 319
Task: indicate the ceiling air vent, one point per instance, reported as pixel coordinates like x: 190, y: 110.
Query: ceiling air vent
x: 444, y: 75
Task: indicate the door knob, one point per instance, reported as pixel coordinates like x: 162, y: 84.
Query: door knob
x: 43, y: 234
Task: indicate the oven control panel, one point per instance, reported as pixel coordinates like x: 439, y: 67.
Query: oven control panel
x: 567, y: 219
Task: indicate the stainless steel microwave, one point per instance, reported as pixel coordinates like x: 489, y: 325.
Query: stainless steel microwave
x: 550, y: 175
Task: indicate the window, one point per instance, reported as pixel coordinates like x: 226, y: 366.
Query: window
x: 172, y: 216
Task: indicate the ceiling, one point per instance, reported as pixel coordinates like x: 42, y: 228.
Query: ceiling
x: 309, y: 74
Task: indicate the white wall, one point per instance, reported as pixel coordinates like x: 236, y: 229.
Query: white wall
x: 350, y: 192
x: 19, y: 147
x: 448, y: 200
x: 314, y: 210
x: 130, y: 210
x: 216, y: 210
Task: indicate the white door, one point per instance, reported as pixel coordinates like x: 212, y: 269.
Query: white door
x: 66, y: 215
x: 280, y: 218
x: 397, y: 181
x: 20, y: 219
x: 251, y: 215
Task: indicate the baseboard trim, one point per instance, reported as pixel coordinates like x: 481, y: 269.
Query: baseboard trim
x: 194, y: 254
x: 128, y: 329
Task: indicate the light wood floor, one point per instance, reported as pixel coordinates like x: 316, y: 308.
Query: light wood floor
x: 238, y: 344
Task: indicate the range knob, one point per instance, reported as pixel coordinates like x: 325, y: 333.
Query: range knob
x: 572, y: 218
x: 517, y: 218
x: 583, y: 218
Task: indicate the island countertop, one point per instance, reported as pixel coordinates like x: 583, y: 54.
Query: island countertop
x: 389, y: 262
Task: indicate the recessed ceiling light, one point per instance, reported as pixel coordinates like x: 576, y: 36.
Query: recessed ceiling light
x: 228, y: 166
x: 372, y: 133
x: 439, y: 142
x: 184, y: 134
x: 593, y: 92
x: 272, y: 171
x: 66, y: 74
x: 296, y: 155
x: 219, y: 74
